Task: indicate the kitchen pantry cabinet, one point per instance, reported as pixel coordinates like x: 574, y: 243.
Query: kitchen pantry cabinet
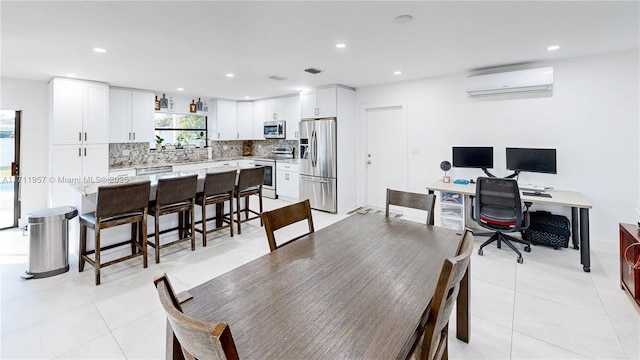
x: 79, y: 141
x: 288, y: 180
x: 319, y: 103
x: 131, y: 116
x: 79, y: 111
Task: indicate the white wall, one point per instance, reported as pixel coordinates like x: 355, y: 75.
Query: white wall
x: 592, y: 119
x: 31, y: 97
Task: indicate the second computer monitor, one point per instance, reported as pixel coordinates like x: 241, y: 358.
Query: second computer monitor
x: 473, y: 157
x: 531, y: 160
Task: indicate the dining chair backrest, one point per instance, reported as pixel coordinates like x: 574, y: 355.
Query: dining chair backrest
x: 250, y: 178
x: 285, y: 216
x: 434, y: 344
x: 122, y: 199
x: 176, y: 189
x: 198, y: 339
x: 412, y: 200
x: 219, y: 183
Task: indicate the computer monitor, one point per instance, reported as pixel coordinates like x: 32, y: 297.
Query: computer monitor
x: 531, y: 160
x: 473, y: 157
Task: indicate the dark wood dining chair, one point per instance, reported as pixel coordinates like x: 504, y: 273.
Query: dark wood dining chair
x: 116, y: 205
x: 285, y: 216
x: 196, y: 338
x: 218, y: 189
x: 250, y: 181
x: 434, y: 342
x: 412, y: 200
x: 174, y: 195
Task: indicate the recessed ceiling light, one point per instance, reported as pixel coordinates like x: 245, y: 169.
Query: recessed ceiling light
x: 397, y: 73
x: 403, y: 19
x: 247, y: 97
x: 341, y: 45
x: 99, y: 50
x: 180, y: 89
x: 230, y: 75
x: 71, y: 75
x: 553, y: 48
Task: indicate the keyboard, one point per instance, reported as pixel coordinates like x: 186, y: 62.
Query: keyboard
x: 532, y: 187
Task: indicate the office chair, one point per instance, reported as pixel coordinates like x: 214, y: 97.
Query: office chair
x: 497, y: 206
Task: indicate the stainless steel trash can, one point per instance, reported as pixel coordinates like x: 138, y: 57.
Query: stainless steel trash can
x: 49, y: 242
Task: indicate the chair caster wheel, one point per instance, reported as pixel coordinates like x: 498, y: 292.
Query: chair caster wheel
x: 527, y: 248
x: 520, y: 260
x: 480, y: 252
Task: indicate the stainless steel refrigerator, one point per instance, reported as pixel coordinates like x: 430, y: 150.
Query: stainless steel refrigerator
x: 318, y: 163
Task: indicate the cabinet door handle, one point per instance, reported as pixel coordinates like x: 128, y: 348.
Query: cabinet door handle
x: 237, y: 135
x: 85, y: 136
x: 80, y: 152
x: 218, y: 135
x: 134, y: 136
x: 85, y: 152
x: 129, y: 136
x: 80, y: 136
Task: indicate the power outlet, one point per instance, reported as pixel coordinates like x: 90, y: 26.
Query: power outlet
x: 126, y: 152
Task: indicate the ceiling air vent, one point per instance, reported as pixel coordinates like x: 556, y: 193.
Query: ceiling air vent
x: 313, y: 71
x: 276, y: 77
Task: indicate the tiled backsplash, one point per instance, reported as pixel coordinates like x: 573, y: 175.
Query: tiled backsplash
x: 140, y: 154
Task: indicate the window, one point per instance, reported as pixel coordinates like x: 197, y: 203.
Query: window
x: 181, y: 128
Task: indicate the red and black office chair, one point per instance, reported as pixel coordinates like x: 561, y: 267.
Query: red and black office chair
x: 497, y: 206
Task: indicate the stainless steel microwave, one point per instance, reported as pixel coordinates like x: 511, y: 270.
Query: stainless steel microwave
x: 275, y: 130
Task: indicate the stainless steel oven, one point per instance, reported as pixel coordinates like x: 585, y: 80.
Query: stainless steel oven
x: 269, y: 186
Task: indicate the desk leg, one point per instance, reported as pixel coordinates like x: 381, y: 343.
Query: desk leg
x: 463, y: 320
x: 174, y: 350
x: 585, y: 257
x: 574, y: 228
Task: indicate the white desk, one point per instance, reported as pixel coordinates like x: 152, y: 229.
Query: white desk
x: 579, y: 212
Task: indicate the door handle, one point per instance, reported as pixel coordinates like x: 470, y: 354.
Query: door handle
x: 134, y: 136
x: 80, y: 136
x: 129, y: 136
x: 80, y: 152
x: 14, y: 169
x: 85, y: 136
x: 368, y: 162
x: 85, y: 152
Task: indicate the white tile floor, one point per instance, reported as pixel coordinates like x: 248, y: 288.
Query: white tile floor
x: 546, y: 308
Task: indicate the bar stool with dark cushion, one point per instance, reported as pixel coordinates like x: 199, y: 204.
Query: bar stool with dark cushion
x: 116, y: 205
x: 218, y: 188
x: 174, y: 195
x: 250, y: 182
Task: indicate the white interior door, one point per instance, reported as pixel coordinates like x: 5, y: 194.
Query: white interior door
x: 386, y: 153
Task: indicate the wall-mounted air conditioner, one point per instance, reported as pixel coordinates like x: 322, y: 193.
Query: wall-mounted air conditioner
x: 540, y: 79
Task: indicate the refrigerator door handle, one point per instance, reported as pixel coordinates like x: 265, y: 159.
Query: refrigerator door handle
x: 312, y: 179
x: 314, y: 149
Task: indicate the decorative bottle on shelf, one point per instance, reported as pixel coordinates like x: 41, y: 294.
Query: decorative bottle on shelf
x: 171, y: 104
x: 193, y: 107
x: 199, y: 105
x: 157, y: 103
x: 164, y: 102
x: 205, y: 107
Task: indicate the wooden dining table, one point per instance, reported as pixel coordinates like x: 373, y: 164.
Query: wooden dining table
x: 357, y: 289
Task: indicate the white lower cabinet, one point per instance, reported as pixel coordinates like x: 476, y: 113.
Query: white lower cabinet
x: 288, y: 180
x: 71, y: 164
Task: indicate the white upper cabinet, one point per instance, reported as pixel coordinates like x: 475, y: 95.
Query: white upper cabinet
x: 79, y: 112
x: 131, y: 116
x: 319, y: 103
x: 226, y: 116
x: 291, y: 113
x: 259, y: 119
x: 142, y: 116
x: 245, y: 120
